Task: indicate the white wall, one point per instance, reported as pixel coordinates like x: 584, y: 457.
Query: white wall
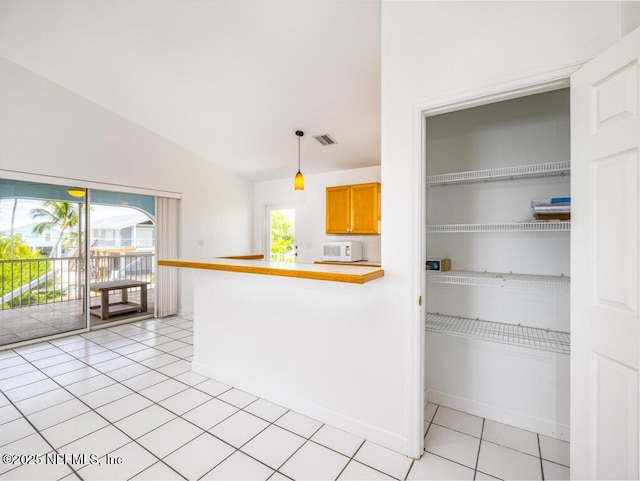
x: 327, y: 357
x: 630, y: 16
x: 431, y: 50
x: 48, y: 130
x: 310, y: 211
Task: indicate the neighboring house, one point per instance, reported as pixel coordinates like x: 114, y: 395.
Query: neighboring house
x: 132, y: 229
x: 44, y: 242
x: 123, y: 231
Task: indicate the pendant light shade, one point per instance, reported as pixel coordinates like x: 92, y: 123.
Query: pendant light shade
x: 298, y: 181
x: 76, y: 192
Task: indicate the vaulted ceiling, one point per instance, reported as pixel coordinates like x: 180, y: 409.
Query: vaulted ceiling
x: 230, y: 80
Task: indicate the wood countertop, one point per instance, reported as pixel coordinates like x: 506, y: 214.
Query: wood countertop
x: 323, y: 272
x: 356, y: 263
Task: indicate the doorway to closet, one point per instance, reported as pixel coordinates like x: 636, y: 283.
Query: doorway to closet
x: 495, y: 332
x: 498, y: 251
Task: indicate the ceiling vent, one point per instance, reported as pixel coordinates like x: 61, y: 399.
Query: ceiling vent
x: 325, y: 139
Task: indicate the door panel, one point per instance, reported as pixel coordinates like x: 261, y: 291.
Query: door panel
x: 605, y: 334
x: 614, y: 212
x: 614, y: 98
x: 616, y: 437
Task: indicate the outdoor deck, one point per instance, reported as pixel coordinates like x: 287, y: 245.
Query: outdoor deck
x: 25, y: 323
x: 45, y: 298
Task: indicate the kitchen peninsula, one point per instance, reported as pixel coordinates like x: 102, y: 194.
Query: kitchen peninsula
x: 298, y: 335
x: 335, y: 272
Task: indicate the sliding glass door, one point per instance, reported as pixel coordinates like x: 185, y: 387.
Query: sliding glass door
x: 42, y: 260
x: 122, y: 256
x: 57, y: 275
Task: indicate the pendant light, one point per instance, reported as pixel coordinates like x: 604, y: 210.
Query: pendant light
x: 76, y: 192
x: 298, y: 181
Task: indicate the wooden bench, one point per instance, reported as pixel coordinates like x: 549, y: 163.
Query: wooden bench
x: 106, y: 310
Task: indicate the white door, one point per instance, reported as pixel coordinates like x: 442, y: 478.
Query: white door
x: 605, y: 267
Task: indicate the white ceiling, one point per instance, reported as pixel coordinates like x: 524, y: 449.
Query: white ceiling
x: 230, y: 80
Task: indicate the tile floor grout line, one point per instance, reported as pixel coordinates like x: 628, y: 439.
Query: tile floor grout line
x: 38, y: 431
x: 113, y: 424
x: 413, y: 461
x: 455, y: 430
x: 163, y: 407
x: 158, y: 403
x: 351, y: 458
x: 68, y: 333
x: 475, y: 469
x: 271, y: 423
x: 450, y: 460
x: 540, y: 457
x: 513, y: 449
x: 91, y: 409
x: 431, y: 423
x: 160, y: 461
x: 291, y: 455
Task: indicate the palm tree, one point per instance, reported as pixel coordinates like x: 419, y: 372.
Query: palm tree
x: 61, y: 215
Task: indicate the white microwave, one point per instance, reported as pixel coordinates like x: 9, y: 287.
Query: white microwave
x: 345, y: 251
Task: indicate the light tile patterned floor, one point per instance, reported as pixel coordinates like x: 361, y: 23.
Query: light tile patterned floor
x: 126, y: 398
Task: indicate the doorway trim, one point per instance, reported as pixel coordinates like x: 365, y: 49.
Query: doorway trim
x: 534, y: 83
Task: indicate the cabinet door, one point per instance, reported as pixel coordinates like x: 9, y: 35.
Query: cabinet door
x: 338, y: 210
x: 365, y: 208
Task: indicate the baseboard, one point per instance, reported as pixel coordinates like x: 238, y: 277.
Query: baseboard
x: 359, y: 428
x: 500, y: 414
x: 185, y: 311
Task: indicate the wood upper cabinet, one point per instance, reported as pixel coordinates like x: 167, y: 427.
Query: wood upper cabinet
x: 353, y: 209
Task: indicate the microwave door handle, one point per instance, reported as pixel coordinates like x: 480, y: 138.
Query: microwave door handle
x: 346, y: 250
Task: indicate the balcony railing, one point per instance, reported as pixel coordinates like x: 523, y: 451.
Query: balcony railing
x: 283, y: 257
x: 29, y: 282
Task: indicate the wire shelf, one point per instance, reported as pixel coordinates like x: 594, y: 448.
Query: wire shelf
x: 547, y: 169
x: 512, y: 334
x: 497, y: 279
x: 554, y: 226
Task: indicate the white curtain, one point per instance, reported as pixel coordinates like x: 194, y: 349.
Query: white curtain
x: 166, y: 248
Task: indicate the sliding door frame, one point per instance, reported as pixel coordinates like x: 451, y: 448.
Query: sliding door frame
x: 87, y: 185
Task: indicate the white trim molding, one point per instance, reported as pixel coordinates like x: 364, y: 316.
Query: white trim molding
x: 85, y: 184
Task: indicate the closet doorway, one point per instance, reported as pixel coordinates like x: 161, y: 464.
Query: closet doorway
x: 604, y: 260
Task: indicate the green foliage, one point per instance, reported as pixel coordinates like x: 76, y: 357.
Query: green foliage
x: 20, y: 249
x: 18, y: 269
x: 282, y: 233
x: 56, y: 214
